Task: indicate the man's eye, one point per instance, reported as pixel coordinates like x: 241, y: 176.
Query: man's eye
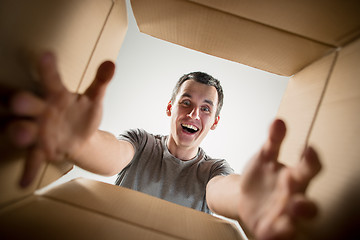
x: 205, y: 109
x: 186, y: 102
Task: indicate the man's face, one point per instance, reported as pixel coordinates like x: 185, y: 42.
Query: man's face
x: 192, y: 113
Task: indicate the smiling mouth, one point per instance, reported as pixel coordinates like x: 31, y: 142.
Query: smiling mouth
x: 189, y: 128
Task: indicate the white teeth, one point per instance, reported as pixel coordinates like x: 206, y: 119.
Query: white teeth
x: 190, y: 126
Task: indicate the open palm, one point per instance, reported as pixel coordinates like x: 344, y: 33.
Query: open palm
x: 273, y: 195
x: 57, y: 125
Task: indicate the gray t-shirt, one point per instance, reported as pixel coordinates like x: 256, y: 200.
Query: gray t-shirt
x: 155, y: 171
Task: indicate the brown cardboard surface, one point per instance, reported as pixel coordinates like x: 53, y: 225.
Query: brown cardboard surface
x: 321, y: 107
x: 299, y: 106
x: 334, y: 22
x: 44, y: 218
x: 10, y: 173
x: 53, y: 171
x: 109, y: 212
x: 336, y: 136
x: 62, y: 26
x: 135, y: 207
x: 228, y: 36
x: 107, y: 46
x: 109, y: 41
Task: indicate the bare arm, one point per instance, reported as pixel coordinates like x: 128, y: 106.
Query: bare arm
x: 104, y: 154
x: 223, y: 195
x: 63, y: 125
x: 269, y: 198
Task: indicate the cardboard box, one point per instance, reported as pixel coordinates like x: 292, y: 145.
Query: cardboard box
x: 315, y: 42
x: 80, y: 209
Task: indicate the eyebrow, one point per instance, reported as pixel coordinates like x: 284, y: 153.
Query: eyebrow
x: 206, y: 100
x: 209, y: 102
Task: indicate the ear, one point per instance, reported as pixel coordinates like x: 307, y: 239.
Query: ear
x: 217, y: 119
x: 168, y: 109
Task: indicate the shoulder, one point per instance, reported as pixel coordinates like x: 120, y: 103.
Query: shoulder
x: 210, y: 159
x: 139, y: 136
x: 133, y: 134
x: 219, y: 166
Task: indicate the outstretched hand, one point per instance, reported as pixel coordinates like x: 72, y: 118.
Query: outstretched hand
x: 56, y: 126
x: 272, y: 194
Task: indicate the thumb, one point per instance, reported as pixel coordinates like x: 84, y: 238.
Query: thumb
x: 103, y: 76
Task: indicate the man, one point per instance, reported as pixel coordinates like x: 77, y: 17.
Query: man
x: 174, y: 167
x: 268, y: 198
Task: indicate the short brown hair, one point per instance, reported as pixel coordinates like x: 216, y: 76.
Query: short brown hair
x: 203, y: 78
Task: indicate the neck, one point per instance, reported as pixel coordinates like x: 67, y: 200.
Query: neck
x: 182, y: 152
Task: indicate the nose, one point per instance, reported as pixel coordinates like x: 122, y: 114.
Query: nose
x: 194, y: 114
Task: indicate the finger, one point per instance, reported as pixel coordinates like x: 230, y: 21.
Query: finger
x: 271, y: 148
x: 22, y: 133
x: 301, y: 207
x: 103, y: 76
x: 307, y: 168
x: 33, y: 163
x: 280, y: 228
x: 26, y: 104
x: 283, y: 228
x: 49, y: 74
x: 48, y: 133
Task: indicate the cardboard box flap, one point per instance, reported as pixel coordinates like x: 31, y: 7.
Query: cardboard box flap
x: 332, y: 22
x: 42, y: 218
x: 60, y: 26
x: 142, y: 210
x: 228, y: 36
x: 109, y: 42
x: 321, y: 109
x: 336, y: 136
x: 78, y: 33
x: 54, y: 171
x: 107, y: 47
x: 300, y: 104
x: 11, y: 168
